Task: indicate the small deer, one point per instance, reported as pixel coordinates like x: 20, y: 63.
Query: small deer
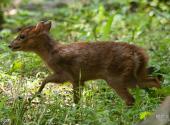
x: 121, y: 65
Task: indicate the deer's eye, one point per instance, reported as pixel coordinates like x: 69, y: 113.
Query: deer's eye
x: 22, y: 36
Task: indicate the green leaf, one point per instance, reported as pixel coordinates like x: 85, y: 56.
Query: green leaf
x: 143, y: 115
x: 100, y: 16
x: 17, y: 65
x: 107, y: 27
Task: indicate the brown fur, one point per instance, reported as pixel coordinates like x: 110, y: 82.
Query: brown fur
x: 122, y: 65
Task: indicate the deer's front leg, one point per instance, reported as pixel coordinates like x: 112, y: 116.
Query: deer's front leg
x: 77, y: 91
x: 55, y: 78
x: 51, y: 78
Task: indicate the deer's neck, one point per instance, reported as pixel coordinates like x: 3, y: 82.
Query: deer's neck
x: 46, y: 48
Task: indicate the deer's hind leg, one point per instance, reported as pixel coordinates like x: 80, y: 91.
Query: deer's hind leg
x: 122, y: 91
x: 149, y: 82
x: 144, y: 81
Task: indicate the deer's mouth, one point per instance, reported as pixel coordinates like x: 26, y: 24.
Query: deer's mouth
x: 15, y: 48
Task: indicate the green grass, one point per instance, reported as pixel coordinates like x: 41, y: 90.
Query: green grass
x: 21, y: 72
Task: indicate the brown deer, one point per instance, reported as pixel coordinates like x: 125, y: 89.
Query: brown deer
x: 121, y: 65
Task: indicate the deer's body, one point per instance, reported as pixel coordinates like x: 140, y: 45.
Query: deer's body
x: 121, y: 65
x: 96, y: 60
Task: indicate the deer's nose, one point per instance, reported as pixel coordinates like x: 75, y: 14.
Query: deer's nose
x: 9, y: 46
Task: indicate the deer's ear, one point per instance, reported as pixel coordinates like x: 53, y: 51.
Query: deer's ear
x: 47, y: 26
x: 39, y: 27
